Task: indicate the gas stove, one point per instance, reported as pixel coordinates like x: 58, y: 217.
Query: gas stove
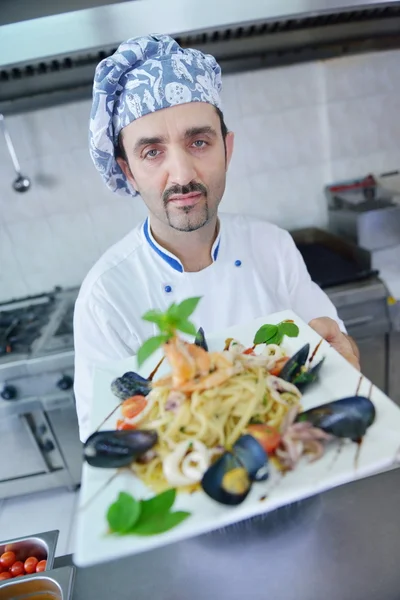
x: 38, y: 419
x: 36, y: 345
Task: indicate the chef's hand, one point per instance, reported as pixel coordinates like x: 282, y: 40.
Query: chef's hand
x: 329, y: 330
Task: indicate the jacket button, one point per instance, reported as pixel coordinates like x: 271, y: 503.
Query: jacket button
x: 168, y: 289
x: 238, y: 263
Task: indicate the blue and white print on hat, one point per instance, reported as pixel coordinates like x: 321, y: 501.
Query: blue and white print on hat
x: 145, y: 74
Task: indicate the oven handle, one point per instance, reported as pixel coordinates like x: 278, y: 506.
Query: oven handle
x: 25, y: 420
x: 359, y: 321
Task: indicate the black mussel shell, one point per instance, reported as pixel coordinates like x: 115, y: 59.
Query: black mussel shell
x: 345, y: 418
x: 115, y: 449
x: 304, y: 379
x: 201, y: 339
x: 130, y: 384
x: 252, y: 456
x: 226, y: 481
x: 292, y: 368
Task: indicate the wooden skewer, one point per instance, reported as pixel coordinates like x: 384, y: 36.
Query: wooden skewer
x: 359, y: 384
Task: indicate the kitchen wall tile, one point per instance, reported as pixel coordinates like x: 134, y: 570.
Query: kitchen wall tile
x: 275, y: 90
x: 287, y: 139
x: 354, y: 127
x: 238, y: 195
x: 19, y: 206
x: 12, y: 283
x: 75, y: 244
x: 34, y: 513
x: 290, y: 198
x: 230, y: 98
x: 33, y: 246
x: 388, y: 125
x: 60, y: 180
x: 358, y: 76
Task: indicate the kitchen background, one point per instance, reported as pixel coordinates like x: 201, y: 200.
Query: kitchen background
x: 297, y: 129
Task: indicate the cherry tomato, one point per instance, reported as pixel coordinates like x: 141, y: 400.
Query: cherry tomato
x: 7, y: 559
x: 5, y: 575
x: 267, y: 436
x: 249, y: 351
x: 133, y: 406
x: 30, y: 564
x: 41, y: 566
x: 17, y: 569
x: 278, y: 366
x: 121, y: 424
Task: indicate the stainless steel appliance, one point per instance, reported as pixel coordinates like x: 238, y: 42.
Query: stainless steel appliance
x: 38, y: 423
x: 344, y: 271
x: 363, y: 211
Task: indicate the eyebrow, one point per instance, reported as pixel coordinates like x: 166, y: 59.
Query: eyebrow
x: 189, y: 133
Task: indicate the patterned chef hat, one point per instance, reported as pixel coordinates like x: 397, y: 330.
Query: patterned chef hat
x: 145, y: 74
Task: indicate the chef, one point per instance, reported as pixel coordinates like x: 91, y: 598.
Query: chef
x: 158, y: 136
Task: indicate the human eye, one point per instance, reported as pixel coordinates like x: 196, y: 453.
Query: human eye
x: 200, y: 144
x: 152, y: 154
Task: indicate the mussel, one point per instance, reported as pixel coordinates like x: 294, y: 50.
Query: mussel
x: 226, y: 481
x: 130, y: 384
x: 200, y: 339
x: 229, y: 479
x: 295, y: 371
x: 119, y: 448
x: 345, y: 418
x: 252, y: 456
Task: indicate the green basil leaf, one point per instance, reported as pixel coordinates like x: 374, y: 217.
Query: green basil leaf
x: 186, y: 327
x: 187, y: 307
x: 159, y: 523
x: 264, y: 334
x: 154, y: 316
x: 158, y: 504
x: 289, y: 329
x: 123, y: 514
x: 150, y: 346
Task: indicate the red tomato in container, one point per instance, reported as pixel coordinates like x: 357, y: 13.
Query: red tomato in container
x: 30, y: 564
x: 17, y: 569
x: 5, y: 575
x: 7, y: 559
x: 131, y: 407
x: 267, y: 436
x: 41, y: 566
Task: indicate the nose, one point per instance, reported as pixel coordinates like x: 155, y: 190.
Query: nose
x: 180, y: 166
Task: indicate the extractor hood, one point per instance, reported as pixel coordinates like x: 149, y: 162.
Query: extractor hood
x: 51, y: 59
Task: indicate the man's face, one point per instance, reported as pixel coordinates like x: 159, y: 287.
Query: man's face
x: 177, y: 162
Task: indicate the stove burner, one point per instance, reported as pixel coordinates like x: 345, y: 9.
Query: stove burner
x: 20, y: 327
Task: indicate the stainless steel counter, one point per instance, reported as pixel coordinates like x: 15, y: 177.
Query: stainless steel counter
x: 341, y: 545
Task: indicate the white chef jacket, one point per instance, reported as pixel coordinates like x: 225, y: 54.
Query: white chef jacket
x: 256, y: 270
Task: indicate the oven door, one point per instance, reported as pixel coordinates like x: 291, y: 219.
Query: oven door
x: 29, y: 447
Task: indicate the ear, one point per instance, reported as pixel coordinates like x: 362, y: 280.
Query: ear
x: 127, y: 172
x: 229, y: 143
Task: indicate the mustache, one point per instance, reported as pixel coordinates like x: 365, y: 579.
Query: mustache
x: 184, y: 189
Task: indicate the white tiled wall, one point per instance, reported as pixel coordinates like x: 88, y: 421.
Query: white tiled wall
x: 297, y: 128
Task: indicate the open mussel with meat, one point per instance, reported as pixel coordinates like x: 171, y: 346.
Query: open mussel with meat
x: 295, y: 370
x: 117, y: 448
x: 345, y: 418
x: 229, y: 479
x: 130, y: 384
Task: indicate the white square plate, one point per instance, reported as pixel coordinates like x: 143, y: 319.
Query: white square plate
x: 379, y: 451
